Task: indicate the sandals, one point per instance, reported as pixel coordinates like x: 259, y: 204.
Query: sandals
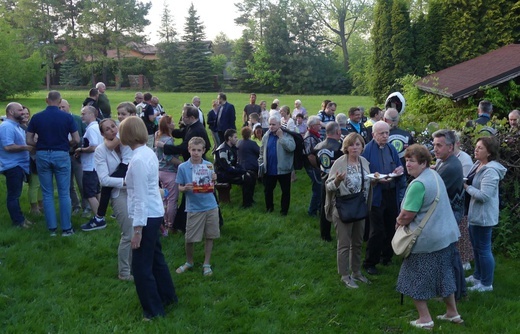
x: 206, y: 270
x: 185, y: 267
x: 423, y: 325
x: 456, y: 319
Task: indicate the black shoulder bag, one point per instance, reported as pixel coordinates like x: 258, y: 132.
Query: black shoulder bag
x: 353, y: 207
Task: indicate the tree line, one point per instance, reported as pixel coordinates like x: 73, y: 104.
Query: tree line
x: 287, y: 46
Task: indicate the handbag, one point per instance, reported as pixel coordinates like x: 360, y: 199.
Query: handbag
x: 353, y: 207
x: 404, y: 239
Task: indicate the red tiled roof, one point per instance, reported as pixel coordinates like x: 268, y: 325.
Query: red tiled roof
x: 464, y: 79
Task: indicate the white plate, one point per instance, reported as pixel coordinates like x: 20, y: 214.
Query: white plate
x: 373, y: 177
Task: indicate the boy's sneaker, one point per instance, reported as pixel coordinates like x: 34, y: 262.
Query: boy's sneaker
x: 481, y: 288
x: 94, y: 224
x: 67, y: 233
x: 472, y: 280
x: 52, y: 233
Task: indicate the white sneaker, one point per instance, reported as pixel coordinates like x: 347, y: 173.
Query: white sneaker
x: 349, y: 282
x: 466, y: 266
x: 472, y: 280
x: 481, y: 288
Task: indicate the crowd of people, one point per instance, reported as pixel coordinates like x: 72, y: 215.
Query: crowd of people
x: 142, y: 163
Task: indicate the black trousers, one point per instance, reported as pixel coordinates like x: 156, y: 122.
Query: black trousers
x: 382, y: 229
x: 152, y: 278
x: 247, y: 181
x: 269, y: 186
x: 325, y: 225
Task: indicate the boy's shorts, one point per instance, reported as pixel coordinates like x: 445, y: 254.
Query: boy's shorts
x: 202, y: 224
x: 90, y: 184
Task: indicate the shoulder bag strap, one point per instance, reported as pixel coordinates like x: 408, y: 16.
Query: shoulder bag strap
x: 430, y: 210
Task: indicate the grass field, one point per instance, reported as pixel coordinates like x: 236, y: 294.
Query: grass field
x: 272, y: 274
x: 173, y: 102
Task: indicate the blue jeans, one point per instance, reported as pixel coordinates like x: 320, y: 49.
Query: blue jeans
x: 14, y: 178
x: 315, y: 176
x: 49, y: 164
x: 480, y: 237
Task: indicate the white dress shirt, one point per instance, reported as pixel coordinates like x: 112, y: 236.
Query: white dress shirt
x: 142, y: 181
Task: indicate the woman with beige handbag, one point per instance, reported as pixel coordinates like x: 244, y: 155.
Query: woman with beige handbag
x: 427, y: 272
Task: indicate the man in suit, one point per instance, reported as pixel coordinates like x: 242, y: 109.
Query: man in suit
x: 196, y: 103
x: 193, y: 128
x: 226, y: 116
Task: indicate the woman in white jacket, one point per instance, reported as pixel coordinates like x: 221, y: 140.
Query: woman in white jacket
x: 107, y: 161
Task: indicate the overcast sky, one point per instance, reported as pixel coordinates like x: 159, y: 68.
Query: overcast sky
x: 215, y: 15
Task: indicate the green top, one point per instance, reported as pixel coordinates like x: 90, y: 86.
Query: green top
x: 104, y: 105
x: 414, y: 198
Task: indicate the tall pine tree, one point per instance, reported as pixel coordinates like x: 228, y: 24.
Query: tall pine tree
x: 382, y: 62
x: 402, y: 40
x: 195, y: 73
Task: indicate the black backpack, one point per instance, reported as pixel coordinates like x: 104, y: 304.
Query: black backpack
x: 298, y: 159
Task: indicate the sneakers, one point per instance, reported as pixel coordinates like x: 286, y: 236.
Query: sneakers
x: 67, y: 233
x: 481, y: 288
x: 361, y: 278
x: 349, y: 282
x: 466, y: 266
x: 76, y: 211
x: 93, y: 224
x: 52, y: 233
x: 472, y: 280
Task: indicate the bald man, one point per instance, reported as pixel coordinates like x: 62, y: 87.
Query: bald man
x: 14, y: 161
x: 76, y: 168
x: 53, y: 128
x: 514, y: 118
x: 386, y: 197
x: 398, y: 138
x: 103, y: 101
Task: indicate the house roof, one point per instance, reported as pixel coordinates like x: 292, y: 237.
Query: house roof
x: 464, y: 79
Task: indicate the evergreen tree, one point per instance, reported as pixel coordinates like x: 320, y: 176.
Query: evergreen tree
x: 70, y: 73
x: 382, y: 62
x: 195, y: 73
x: 167, y: 76
x: 422, y: 45
x: 167, y: 31
x: 243, y: 53
x: 436, y: 25
x: 401, y: 41
x: 222, y: 45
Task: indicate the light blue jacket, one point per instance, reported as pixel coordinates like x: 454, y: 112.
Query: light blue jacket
x: 483, y: 206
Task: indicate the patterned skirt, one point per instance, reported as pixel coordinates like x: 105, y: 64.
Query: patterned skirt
x: 464, y: 244
x: 428, y: 275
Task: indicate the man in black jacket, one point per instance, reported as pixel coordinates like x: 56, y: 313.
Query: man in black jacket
x: 193, y: 128
x: 230, y: 171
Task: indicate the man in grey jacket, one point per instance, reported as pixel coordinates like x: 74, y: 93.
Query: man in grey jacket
x: 276, y: 161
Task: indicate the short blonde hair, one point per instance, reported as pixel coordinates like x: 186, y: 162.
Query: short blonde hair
x: 196, y: 141
x: 132, y: 131
x: 350, y: 139
x: 129, y: 107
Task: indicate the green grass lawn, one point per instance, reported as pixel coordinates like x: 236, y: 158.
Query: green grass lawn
x: 173, y: 102
x: 272, y: 274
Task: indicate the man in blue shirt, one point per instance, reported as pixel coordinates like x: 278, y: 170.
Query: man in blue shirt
x: 14, y: 161
x: 53, y: 128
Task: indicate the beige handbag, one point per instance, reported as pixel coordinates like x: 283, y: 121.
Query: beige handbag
x: 404, y: 239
